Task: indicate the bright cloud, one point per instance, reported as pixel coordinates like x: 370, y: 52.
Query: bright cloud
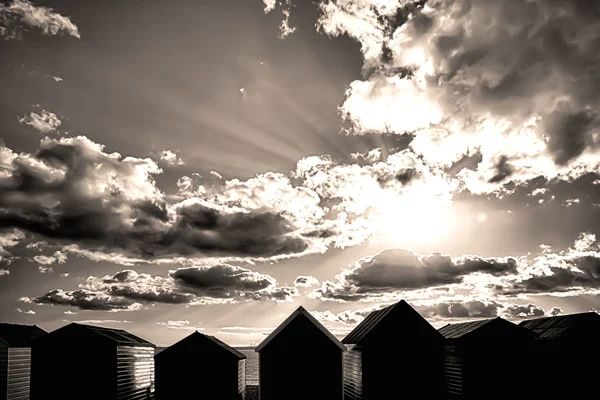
x: 45, y: 122
x: 514, y: 83
x: 19, y: 13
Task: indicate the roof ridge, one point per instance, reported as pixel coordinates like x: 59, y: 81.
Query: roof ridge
x: 300, y: 311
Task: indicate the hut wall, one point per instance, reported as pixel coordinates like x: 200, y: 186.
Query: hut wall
x: 18, y: 373
x: 135, y: 372
x: 352, y: 363
x: 453, y: 370
x: 3, y: 370
x: 73, y: 369
x: 241, y: 374
x: 487, y: 361
x: 188, y: 372
x: 301, y: 363
x: 410, y: 366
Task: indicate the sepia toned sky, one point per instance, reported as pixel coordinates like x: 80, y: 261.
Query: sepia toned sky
x: 211, y: 165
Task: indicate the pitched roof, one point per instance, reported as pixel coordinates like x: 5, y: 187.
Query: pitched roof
x: 14, y: 335
x: 455, y: 331
x: 117, y: 336
x: 367, y: 325
x: 555, y: 327
x: 197, y: 336
x: 300, y: 311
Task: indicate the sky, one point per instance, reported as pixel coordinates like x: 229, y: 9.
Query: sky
x: 212, y: 165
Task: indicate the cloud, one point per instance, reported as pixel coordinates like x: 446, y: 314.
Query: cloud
x: 58, y: 257
x: 9, y: 238
x: 395, y: 270
x: 30, y: 312
x: 18, y: 14
x: 4, y: 272
x: 45, y: 122
x: 129, y: 290
x: 170, y: 158
x: 270, y: 5
x: 306, y: 281
x: 45, y: 270
x: 395, y: 273
x: 71, y: 190
x: 512, y: 83
x: 99, y: 321
x: 109, y: 208
x: 179, y: 325
x: 244, y: 331
x: 57, y: 79
x: 572, y: 271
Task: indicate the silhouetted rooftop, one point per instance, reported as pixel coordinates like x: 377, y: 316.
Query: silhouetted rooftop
x: 198, y: 337
x: 455, y: 331
x: 13, y: 335
x: 118, y: 336
x: 300, y: 311
x: 555, y: 327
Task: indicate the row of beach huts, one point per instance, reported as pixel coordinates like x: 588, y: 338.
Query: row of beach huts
x: 394, y: 353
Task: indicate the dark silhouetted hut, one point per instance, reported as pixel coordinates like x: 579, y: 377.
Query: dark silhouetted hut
x: 15, y: 360
x: 300, y: 360
x: 566, y: 347
x: 483, y: 358
x: 201, y: 367
x: 393, y: 352
x: 78, y: 362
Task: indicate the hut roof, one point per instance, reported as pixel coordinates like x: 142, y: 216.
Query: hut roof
x: 367, y: 325
x: 14, y: 335
x: 118, y: 336
x: 555, y: 327
x: 199, y: 337
x: 455, y: 331
x: 300, y: 311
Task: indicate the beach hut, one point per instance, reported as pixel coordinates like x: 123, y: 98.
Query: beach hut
x: 566, y: 346
x: 300, y: 360
x: 15, y: 360
x: 88, y: 362
x: 393, y: 352
x: 486, y: 357
x: 200, y: 367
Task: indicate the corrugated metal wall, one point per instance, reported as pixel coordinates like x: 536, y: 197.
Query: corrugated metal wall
x: 242, y: 378
x: 352, y: 363
x: 3, y: 371
x: 454, y: 370
x: 19, y: 373
x: 135, y: 372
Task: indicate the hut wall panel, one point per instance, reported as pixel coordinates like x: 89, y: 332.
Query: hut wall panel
x: 3, y: 371
x: 242, y: 378
x: 135, y: 372
x: 19, y: 373
x: 352, y: 364
x: 453, y: 370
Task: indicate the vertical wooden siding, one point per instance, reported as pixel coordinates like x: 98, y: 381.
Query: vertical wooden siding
x: 352, y: 364
x: 242, y: 378
x: 3, y: 371
x: 135, y: 372
x: 454, y: 370
x: 19, y: 373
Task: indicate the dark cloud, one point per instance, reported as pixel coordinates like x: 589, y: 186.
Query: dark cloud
x: 129, y: 290
x: 574, y: 273
x: 71, y: 190
x: 402, y: 269
x: 467, y: 309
